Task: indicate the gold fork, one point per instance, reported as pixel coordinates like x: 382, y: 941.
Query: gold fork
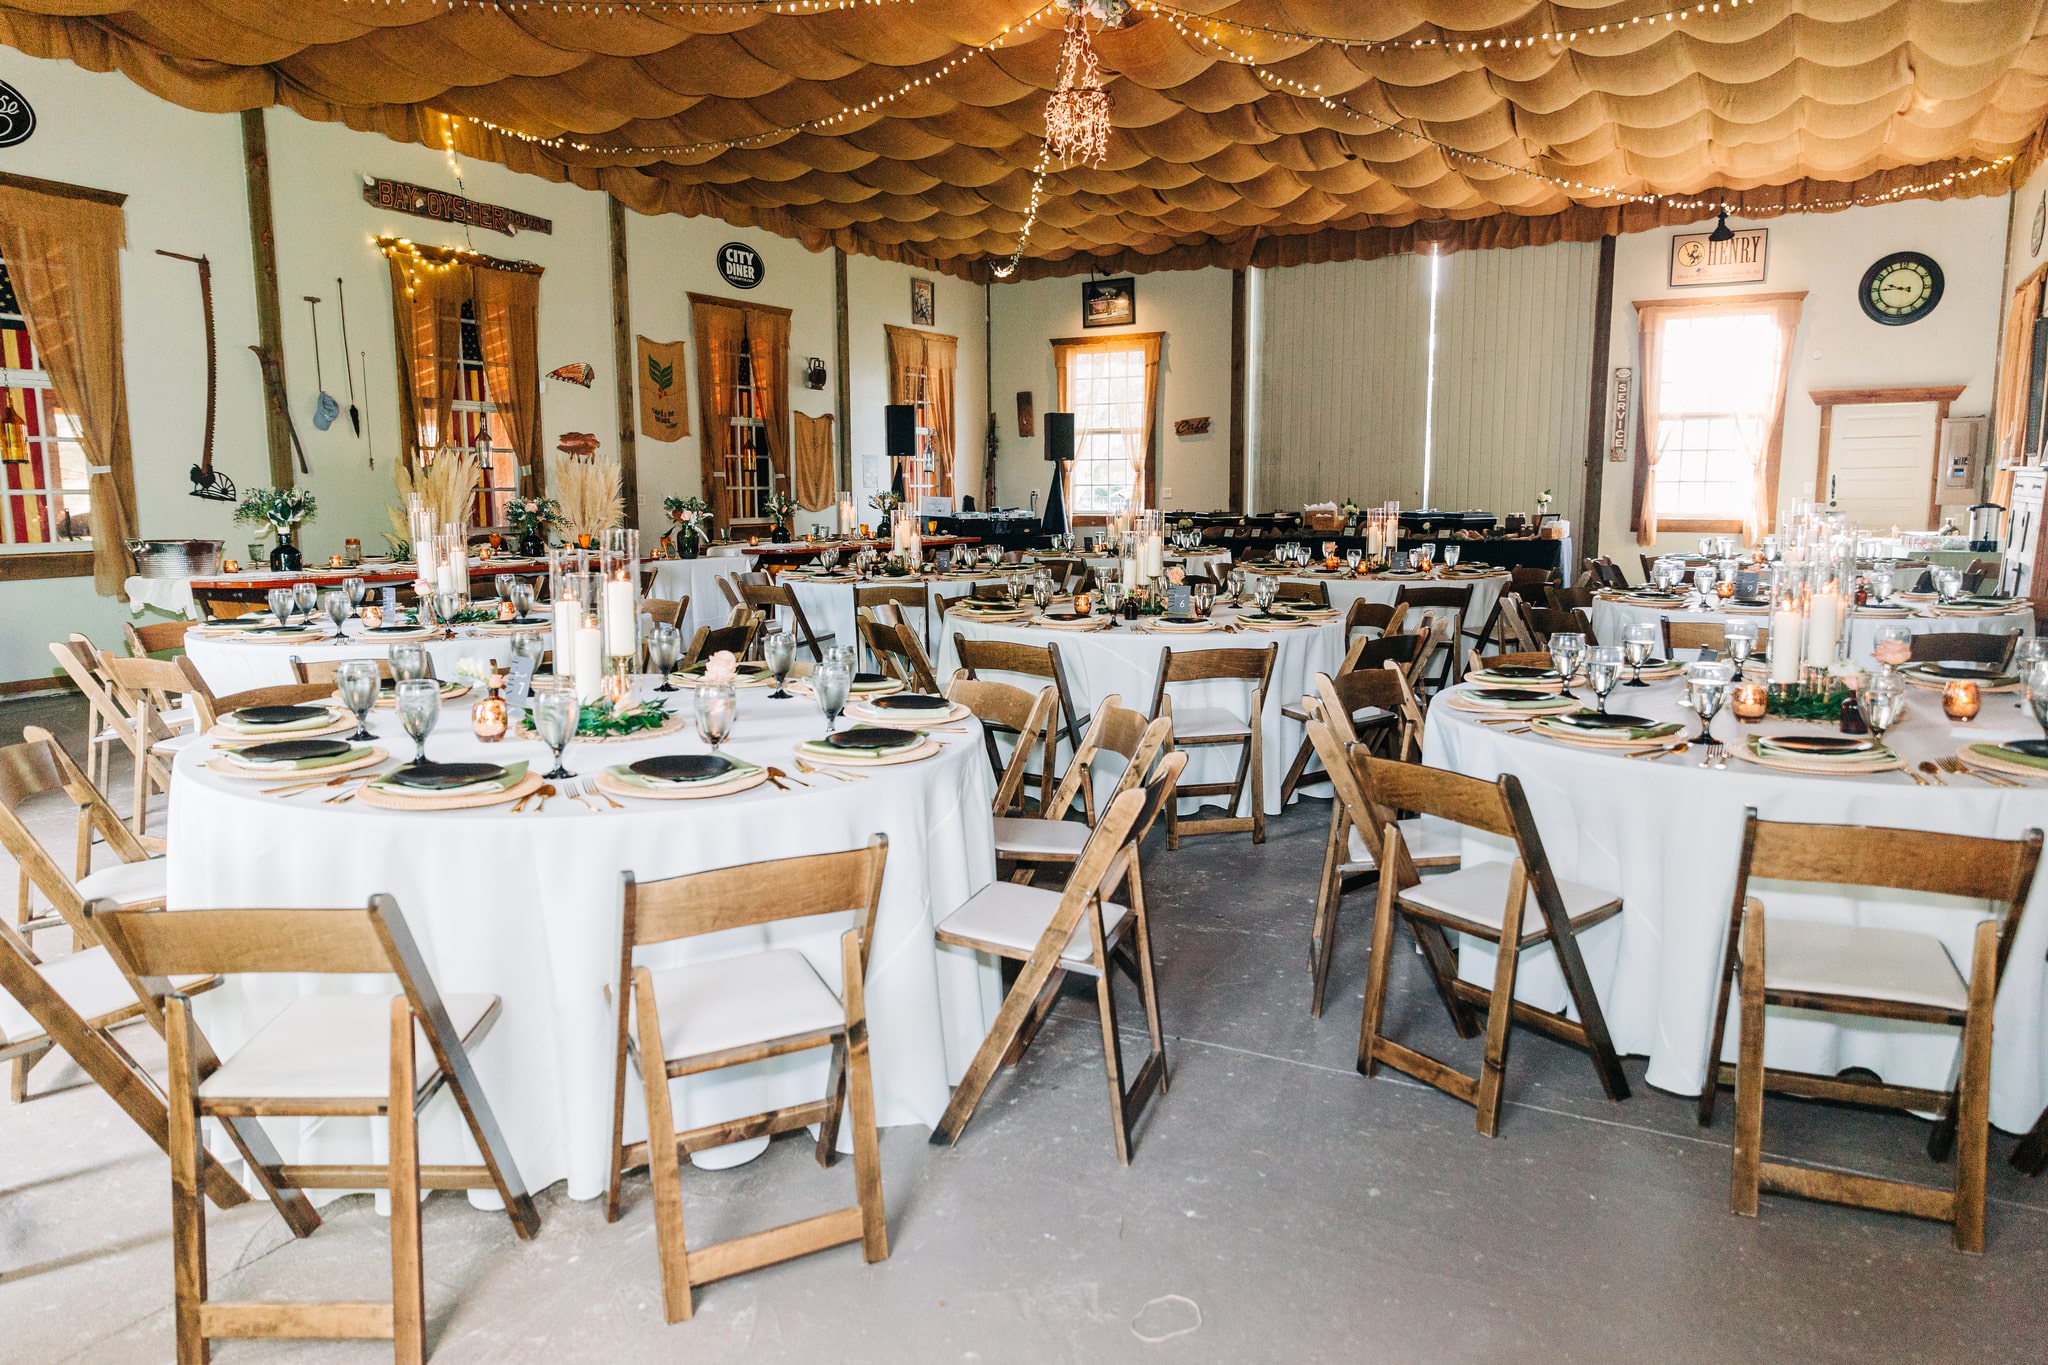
x: 1953, y: 764
x: 816, y: 771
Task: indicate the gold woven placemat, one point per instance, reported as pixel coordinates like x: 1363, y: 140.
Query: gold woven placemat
x: 228, y: 768
x: 390, y: 800
x: 850, y: 760
x: 614, y: 787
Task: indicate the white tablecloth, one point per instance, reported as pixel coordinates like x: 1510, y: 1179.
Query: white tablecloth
x: 1126, y: 661
x: 828, y: 606
x: 1344, y: 591
x: 527, y: 907
x: 1665, y: 835
x: 697, y: 579
x: 1611, y: 618
x: 236, y: 665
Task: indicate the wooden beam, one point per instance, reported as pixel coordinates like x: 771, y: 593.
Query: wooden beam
x: 842, y: 392
x: 62, y: 190
x: 1240, y: 347
x: 624, y: 363
x: 263, y: 254
x: 1596, y: 407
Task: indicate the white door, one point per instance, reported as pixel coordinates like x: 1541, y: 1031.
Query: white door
x: 1881, y: 464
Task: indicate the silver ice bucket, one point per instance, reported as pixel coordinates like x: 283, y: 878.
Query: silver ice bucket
x: 176, y: 558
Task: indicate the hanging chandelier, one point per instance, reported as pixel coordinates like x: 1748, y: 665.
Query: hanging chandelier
x: 1077, y: 112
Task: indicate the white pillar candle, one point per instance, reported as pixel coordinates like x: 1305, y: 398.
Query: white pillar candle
x: 424, y: 565
x: 620, y: 611
x: 589, y: 663
x: 1784, y: 644
x: 848, y: 518
x: 1823, y: 624
x: 1131, y: 575
x: 567, y: 618
x: 444, y: 578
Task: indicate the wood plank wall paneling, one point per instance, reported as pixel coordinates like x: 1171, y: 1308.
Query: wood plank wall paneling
x: 1514, y: 330
x: 1341, y: 373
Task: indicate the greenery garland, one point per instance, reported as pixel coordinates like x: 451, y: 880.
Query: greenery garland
x: 598, y: 720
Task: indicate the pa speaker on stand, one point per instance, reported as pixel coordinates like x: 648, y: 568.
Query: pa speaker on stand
x: 899, y: 422
x: 1059, y: 452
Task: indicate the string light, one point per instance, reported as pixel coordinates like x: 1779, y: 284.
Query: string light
x: 1481, y: 40
x: 416, y: 261
x: 1078, y: 110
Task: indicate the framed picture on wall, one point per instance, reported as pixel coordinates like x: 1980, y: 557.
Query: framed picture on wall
x: 1109, y: 303
x: 924, y: 303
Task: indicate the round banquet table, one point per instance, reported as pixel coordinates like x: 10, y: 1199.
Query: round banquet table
x: 697, y: 579
x: 527, y: 907
x: 236, y: 664
x: 1613, y: 615
x: 1125, y: 661
x: 828, y: 604
x: 1664, y: 835
x: 1345, y: 589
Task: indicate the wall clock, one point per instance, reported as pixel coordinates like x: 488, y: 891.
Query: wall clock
x: 1900, y: 288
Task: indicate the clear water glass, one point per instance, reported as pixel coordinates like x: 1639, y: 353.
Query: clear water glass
x: 282, y: 600
x: 1703, y: 580
x: 1352, y: 558
x: 830, y: 681
x: 1881, y: 699
x: 718, y: 704
x: 664, y: 647
x: 530, y: 644
x: 2034, y: 683
x: 779, y: 651
x: 503, y: 583
x: 1891, y: 644
x: 358, y: 680
x: 555, y: 715
x: 2027, y: 651
x: 308, y: 596
x: 1638, y: 643
x: 446, y: 605
x: 1948, y: 583
x: 357, y: 589
x: 1603, y: 671
x: 410, y: 662
x: 1739, y: 640
x: 419, y: 707
x: 1706, y: 692
x: 335, y: 603
x: 1041, y: 592
x: 1567, y: 652
x: 521, y: 597
x: 1452, y: 553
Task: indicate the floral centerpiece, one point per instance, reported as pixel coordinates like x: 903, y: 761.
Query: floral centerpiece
x: 781, y: 507
x: 886, y: 504
x: 690, y: 525
x: 1350, y: 509
x: 279, y: 511
x: 532, y: 519
x: 1543, y: 501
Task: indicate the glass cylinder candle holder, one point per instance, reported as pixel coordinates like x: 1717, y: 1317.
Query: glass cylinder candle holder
x: 621, y: 569
x: 420, y: 529
x: 1749, y: 700
x: 1788, y: 624
x: 1961, y: 700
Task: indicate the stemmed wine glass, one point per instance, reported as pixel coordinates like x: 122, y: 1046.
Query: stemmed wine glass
x: 1882, y: 697
x: 410, y: 662
x: 1706, y: 691
x: 1352, y: 558
x: 1738, y: 640
x: 664, y: 647
x: 1603, y: 671
x: 282, y: 600
x: 830, y: 681
x: 555, y: 716
x: 1703, y: 580
x: 2027, y: 651
x: 1637, y: 642
x: 447, y: 606
x: 1451, y: 555
x: 419, y: 706
x: 1891, y: 644
x: 335, y: 603
x: 357, y: 589
x: 503, y: 583
x: 2034, y: 687
x: 357, y: 681
x: 1567, y: 651
x: 779, y: 650
x: 521, y: 598
x: 717, y: 705
x: 308, y: 596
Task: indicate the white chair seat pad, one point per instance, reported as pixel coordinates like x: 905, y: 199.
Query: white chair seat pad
x: 1425, y: 842
x: 1478, y: 894
x: 1199, y: 722
x: 1015, y: 917
x: 731, y: 1002
x: 87, y: 980
x: 127, y: 883
x: 1018, y: 836
x: 1876, y: 964
x: 332, y: 1047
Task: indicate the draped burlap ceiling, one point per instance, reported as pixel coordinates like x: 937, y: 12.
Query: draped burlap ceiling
x: 1777, y: 104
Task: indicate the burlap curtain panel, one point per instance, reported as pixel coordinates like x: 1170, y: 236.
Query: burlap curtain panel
x: 64, y: 256
x: 508, y: 326
x: 815, y: 487
x: 426, y: 320
x: 932, y: 357
x: 720, y: 330
x: 768, y: 346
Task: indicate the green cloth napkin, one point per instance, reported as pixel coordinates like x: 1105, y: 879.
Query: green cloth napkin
x: 318, y: 722
x: 299, y: 764
x: 740, y: 768
x: 514, y: 773
x: 1670, y: 727
x: 2005, y: 755
x: 820, y: 748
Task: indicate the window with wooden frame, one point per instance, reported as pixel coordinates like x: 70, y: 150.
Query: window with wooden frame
x: 46, y: 501
x: 921, y: 370
x: 743, y: 403
x: 1712, y: 428
x: 470, y: 413
x: 1112, y: 388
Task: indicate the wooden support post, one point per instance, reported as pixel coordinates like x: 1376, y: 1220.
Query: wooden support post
x: 1240, y: 363
x: 842, y: 400
x: 624, y: 363
x: 1588, y: 528
x: 263, y: 252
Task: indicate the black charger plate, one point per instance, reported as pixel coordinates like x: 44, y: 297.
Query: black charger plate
x: 872, y: 737
x: 682, y: 767
x: 279, y: 715
x: 293, y: 750
x: 1613, y: 720
x: 911, y: 701
x: 434, y: 777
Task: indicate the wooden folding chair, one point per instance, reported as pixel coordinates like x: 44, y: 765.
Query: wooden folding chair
x: 1694, y: 635
x: 666, y: 611
x: 1526, y: 658
x: 978, y: 657
x: 155, y: 637
x: 358, y: 1053
x: 1382, y: 618
x: 728, y: 584
x: 1006, y: 710
x: 323, y: 670
x: 1578, y: 597
x: 106, y: 723
x: 211, y: 708
x: 1315, y: 594
x: 1868, y: 973
x: 895, y: 647
x: 705, y: 1016
x: 709, y: 640
x: 1488, y: 901
x: 34, y: 768
x: 1438, y: 599
x: 1029, y: 842
x: 145, y: 688
x: 901, y: 598
x: 1080, y: 930
x: 1351, y: 853
x: 1205, y: 726
x: 1545, y: 622
x: 767, y: 598
x: 1964, y: 646
x: 1364, y: 654
x: 1528, y: 582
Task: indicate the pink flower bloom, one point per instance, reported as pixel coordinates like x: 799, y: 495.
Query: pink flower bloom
x: 721, y: 667
x: 1176, y: 576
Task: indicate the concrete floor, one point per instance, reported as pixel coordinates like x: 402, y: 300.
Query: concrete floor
x: 1279, y: 1206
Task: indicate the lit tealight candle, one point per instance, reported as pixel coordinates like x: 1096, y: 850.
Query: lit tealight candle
x: 1750, y: 701
x: 1960, y: 700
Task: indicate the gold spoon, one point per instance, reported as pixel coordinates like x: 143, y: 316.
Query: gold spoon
x: 1933, y: 772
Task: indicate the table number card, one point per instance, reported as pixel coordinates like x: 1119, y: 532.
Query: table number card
x: 1180, y: 600
x: 390, y: 602
x: 518, y: 684
x: 1748, y: 583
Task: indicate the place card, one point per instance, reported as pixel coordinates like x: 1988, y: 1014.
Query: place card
x: 1180, y: 600
x: 518, y: 684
